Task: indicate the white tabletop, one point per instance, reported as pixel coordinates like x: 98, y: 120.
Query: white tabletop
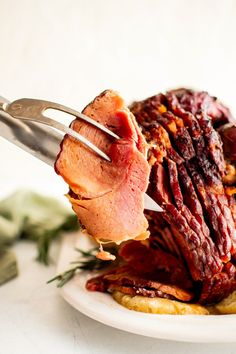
x: 36, y: 320
x: 69, y: 51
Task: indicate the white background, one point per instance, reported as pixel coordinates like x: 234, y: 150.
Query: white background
x: 69, y: 51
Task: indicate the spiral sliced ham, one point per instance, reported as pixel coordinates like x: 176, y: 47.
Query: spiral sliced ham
x: 193, y: 178
x: 107, y: 196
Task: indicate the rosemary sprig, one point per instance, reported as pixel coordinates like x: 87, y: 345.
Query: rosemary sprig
x: 88, y: 261
x: 44, y: 238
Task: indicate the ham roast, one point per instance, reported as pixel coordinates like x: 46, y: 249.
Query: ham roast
x: 191, y: 252
x: 108, y: 197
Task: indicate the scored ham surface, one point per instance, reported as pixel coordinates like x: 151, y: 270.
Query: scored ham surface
x: 108, y: 197
x: 196, y: 205
x: 192, y: 244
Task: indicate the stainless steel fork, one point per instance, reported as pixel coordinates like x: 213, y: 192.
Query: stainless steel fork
x: 19, y: 124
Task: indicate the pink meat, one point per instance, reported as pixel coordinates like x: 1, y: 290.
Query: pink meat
x: 107, y: 196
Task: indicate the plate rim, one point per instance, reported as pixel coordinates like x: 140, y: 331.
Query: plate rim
x: 184, y: 328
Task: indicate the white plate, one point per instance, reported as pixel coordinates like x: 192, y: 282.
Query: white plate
x: 103, y: 308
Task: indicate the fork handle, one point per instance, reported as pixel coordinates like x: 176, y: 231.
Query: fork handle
x: 41, y: 142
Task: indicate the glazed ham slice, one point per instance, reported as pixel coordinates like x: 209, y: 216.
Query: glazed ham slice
x: 108, y: 197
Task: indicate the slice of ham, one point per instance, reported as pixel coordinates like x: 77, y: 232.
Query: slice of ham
x: 108, y: 197
x: 127, y: 281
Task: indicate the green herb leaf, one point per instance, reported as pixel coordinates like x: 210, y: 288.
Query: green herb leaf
x: 88, y: 261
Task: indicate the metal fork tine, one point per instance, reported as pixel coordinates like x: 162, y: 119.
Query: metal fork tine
x: 25, y: 109
x: 82, y: 116
x: 84, y: 141
x: 33, y: 107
